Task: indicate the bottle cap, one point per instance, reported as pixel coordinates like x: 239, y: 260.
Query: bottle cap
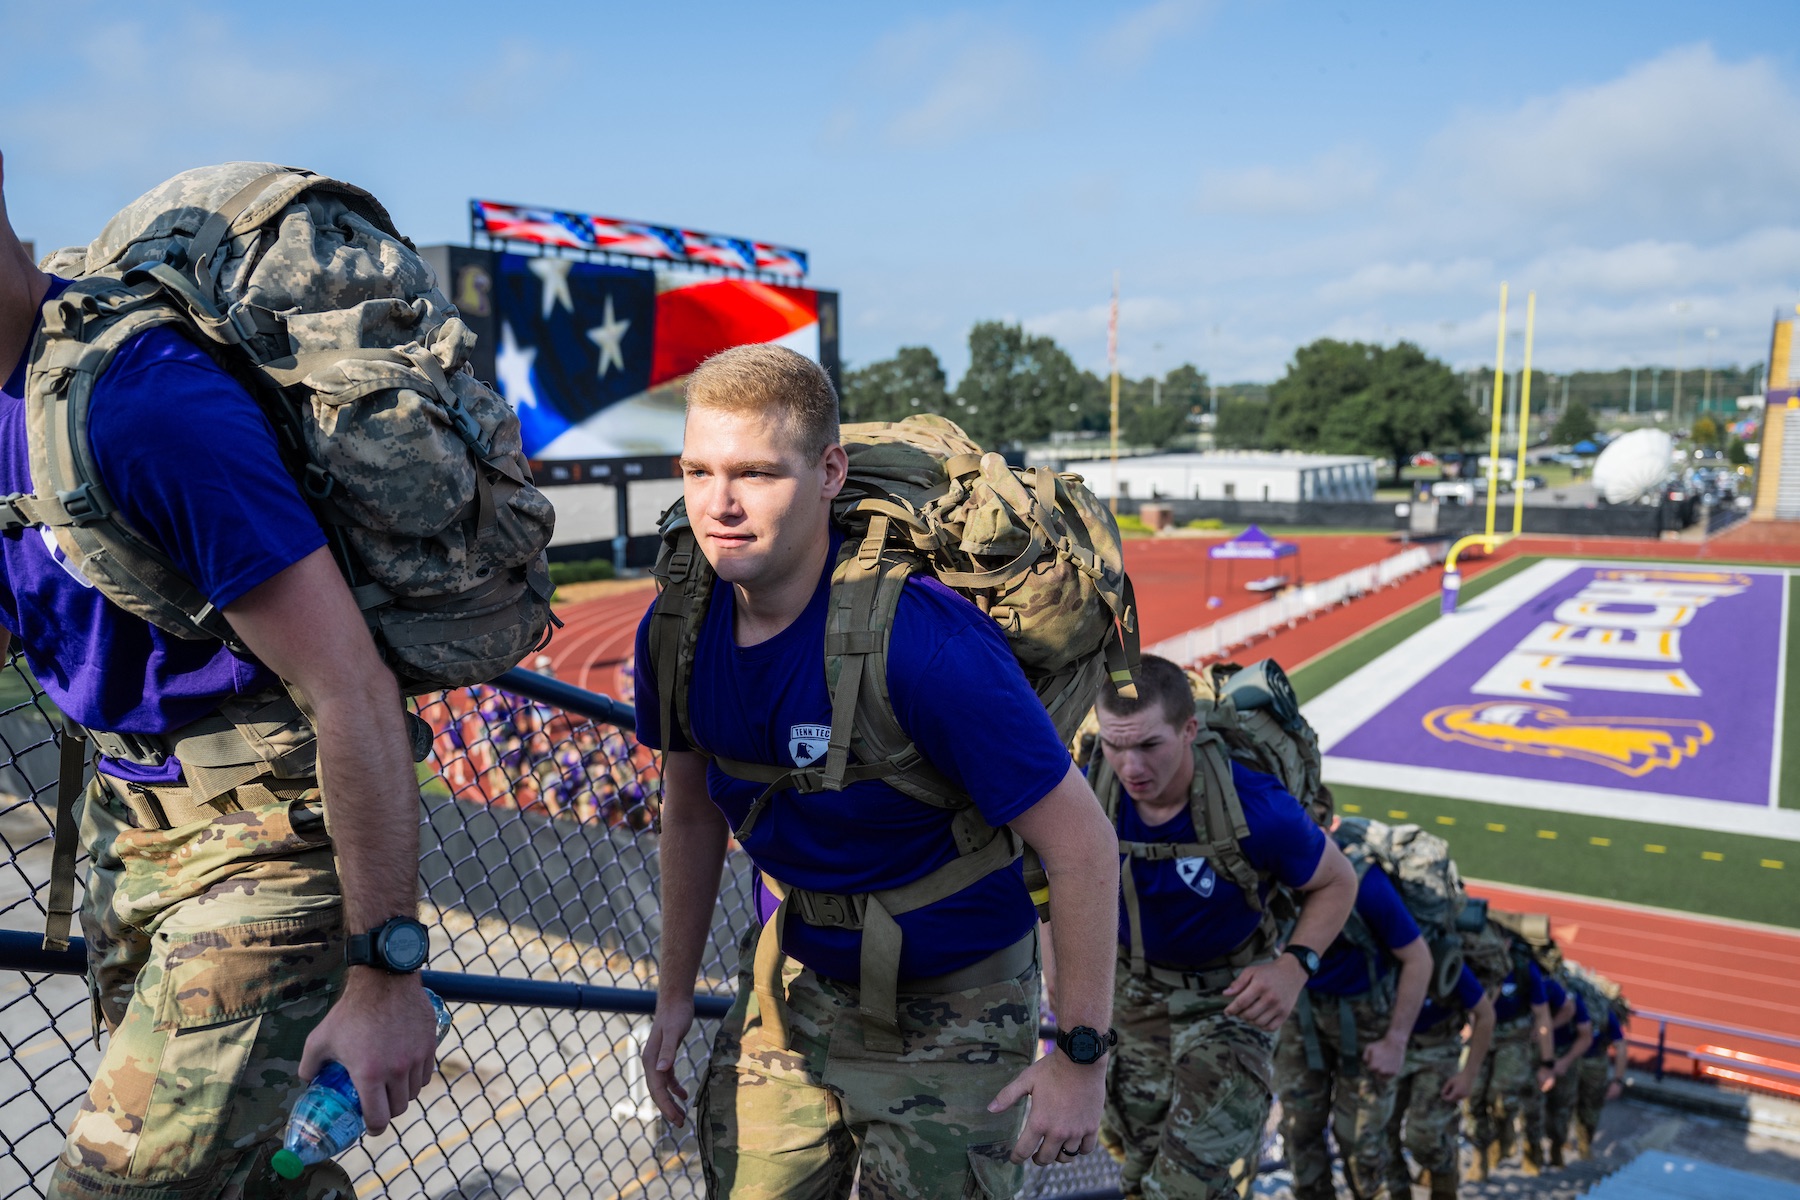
x: 287, y: 1164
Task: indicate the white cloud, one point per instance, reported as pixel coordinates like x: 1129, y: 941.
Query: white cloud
x: 1419, y: 277
x: 1138, y: 34
x: 1337, y: 179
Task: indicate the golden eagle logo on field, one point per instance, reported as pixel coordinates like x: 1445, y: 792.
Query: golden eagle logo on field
x: 1632, y: 746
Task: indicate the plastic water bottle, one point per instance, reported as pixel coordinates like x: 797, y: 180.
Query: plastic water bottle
x: 328, y: 1117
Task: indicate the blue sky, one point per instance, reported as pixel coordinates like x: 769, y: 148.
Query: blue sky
x: 1261, y: 173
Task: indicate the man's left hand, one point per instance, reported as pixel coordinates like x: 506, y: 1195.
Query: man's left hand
x: 1456, y: 1089
x: 1265, y: 994
x: 1614, y: 1089
x: 1066, y: 1101
x: 1386, y: 1056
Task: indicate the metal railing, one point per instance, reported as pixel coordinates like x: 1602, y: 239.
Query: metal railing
x: 539, y: 876
x: 1735, y: 1067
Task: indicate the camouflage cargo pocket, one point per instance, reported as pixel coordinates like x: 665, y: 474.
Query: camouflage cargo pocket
x: 992, y: 1173
x: 234, y: 1009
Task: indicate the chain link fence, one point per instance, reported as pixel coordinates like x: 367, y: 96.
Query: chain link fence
x: 539, y: 863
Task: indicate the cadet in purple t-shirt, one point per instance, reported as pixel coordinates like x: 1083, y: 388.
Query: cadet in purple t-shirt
x: 232, y: 888
x: 909, y: 1056
x: 1517, y: 1073
x: 1572, y: 1032
x: 1341, y: 1052
x: 1437, y: 1077
x: 1204, y: 979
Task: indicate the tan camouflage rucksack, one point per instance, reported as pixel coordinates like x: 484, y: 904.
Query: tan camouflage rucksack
x: 301, y: 288
x: 1033, y: 548
x: 1420, y: 866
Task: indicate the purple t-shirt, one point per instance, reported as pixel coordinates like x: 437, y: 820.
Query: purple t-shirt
x: 959, y: 695
x: 192, y: 464
x: 1555, y: 995
x: 1468, y: 995
x: 1344, y: 967
x: 1192, y: 915
x: 1513, y: 1001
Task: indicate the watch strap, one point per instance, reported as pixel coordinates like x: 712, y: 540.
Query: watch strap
x: 359, y: 950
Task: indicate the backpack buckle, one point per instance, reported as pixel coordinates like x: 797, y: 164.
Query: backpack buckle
x: 80, y: 504
x: 679, y: 564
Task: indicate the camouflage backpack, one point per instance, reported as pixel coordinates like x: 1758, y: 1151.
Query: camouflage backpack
x: 1425, y: 875
x: 1603, y: 996
x: 301, y: 288
x: 1034, y: 549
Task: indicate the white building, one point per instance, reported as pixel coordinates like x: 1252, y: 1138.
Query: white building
x: 1225, y: 475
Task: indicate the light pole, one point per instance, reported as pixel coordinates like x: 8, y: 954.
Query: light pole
x: 1680, y: 308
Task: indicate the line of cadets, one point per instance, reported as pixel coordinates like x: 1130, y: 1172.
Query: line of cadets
x: 1366, y: 1048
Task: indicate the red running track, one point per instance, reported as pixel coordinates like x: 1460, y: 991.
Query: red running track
x: 596, y: 639
x: 1723, y: 972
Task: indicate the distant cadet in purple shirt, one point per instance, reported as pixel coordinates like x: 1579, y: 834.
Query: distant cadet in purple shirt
x: 1602, y: 1080
x: 791, y: 1107
x: 1572, y: 1032
x: 1341, y: 1052
x: 192, y: 463
x: 1189, y: 1091
x: 1510, y: 1087
x: 1437, y: 1077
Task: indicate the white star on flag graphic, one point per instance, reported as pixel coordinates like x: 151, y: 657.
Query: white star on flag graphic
x: 608, y: 336
x: 513, y: 366
x: 553, y: 273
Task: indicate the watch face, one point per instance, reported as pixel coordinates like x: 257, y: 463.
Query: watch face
x: 403, y: 945
x: 1084, y: 1045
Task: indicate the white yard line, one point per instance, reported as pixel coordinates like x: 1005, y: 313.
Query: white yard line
x: 1681, y: 811
x: 1339, y: 711
x: 1781, y: 661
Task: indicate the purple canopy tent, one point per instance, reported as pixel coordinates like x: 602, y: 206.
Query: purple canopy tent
x: 1252, y: 544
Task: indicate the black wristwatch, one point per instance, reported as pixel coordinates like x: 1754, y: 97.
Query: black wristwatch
x: 399, y: 946
x: 1309, y: 958
x: 1546, y: 1064
x: 1084, y: 1044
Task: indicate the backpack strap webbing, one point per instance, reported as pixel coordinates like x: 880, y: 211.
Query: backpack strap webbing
x: 1218, y: 817
x: 873, y: 913
x: 59, y: 902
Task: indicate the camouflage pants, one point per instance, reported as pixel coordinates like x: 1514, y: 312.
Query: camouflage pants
x: 1590, y: 1098
x: 1506, y: 1090
x: 1423, y: 1123
x: 794, y: 1124
x: 1352, y: 1099
x: 1559, y: 1105
x: 213, y: 950
x: 1188, y: 1091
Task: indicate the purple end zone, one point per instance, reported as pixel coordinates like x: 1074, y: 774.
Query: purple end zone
x: 1649, y: 679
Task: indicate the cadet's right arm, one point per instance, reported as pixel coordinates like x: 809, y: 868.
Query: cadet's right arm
x: 1481, y: 1036
x: 692, y: 850
x: 1540, y: 1028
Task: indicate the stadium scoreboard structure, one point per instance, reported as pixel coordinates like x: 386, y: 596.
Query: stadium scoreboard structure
x: 589, y: 326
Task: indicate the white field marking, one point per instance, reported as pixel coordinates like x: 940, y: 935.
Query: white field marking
x: 1628, y: 906
x: 1340, y: 710
x: 1781, y: 662
x: 1685, y: 812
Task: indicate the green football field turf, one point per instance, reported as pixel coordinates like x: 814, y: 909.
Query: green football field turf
x: 1721, y: 874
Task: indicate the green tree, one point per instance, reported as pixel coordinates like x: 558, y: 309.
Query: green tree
x: 1154, y: 412
x: 1705, y: 431
x: 1736, y: 454
x: 1319, y: 380
x: 890, y: 390
x: 1019, y: 387
x: 1243, y: 423
x: 1576, y: 424
x: 1411, y: 402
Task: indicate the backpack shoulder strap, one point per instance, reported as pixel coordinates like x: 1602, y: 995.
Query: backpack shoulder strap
x: 83, y: 331
x: 1219, y: 820
x: 685, y: 582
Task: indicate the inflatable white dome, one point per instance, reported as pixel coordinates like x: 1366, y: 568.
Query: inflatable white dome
x: 1633, y: 466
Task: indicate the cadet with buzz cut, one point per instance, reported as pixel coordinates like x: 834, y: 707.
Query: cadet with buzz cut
x: 1202, y: 984
x: 1436, y: 1079
x: 1507, y: 1089
x: 899, y: 1036
x: 1572, y: 1034
x: 1602, y: 1080
x: 1344, y: 1046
